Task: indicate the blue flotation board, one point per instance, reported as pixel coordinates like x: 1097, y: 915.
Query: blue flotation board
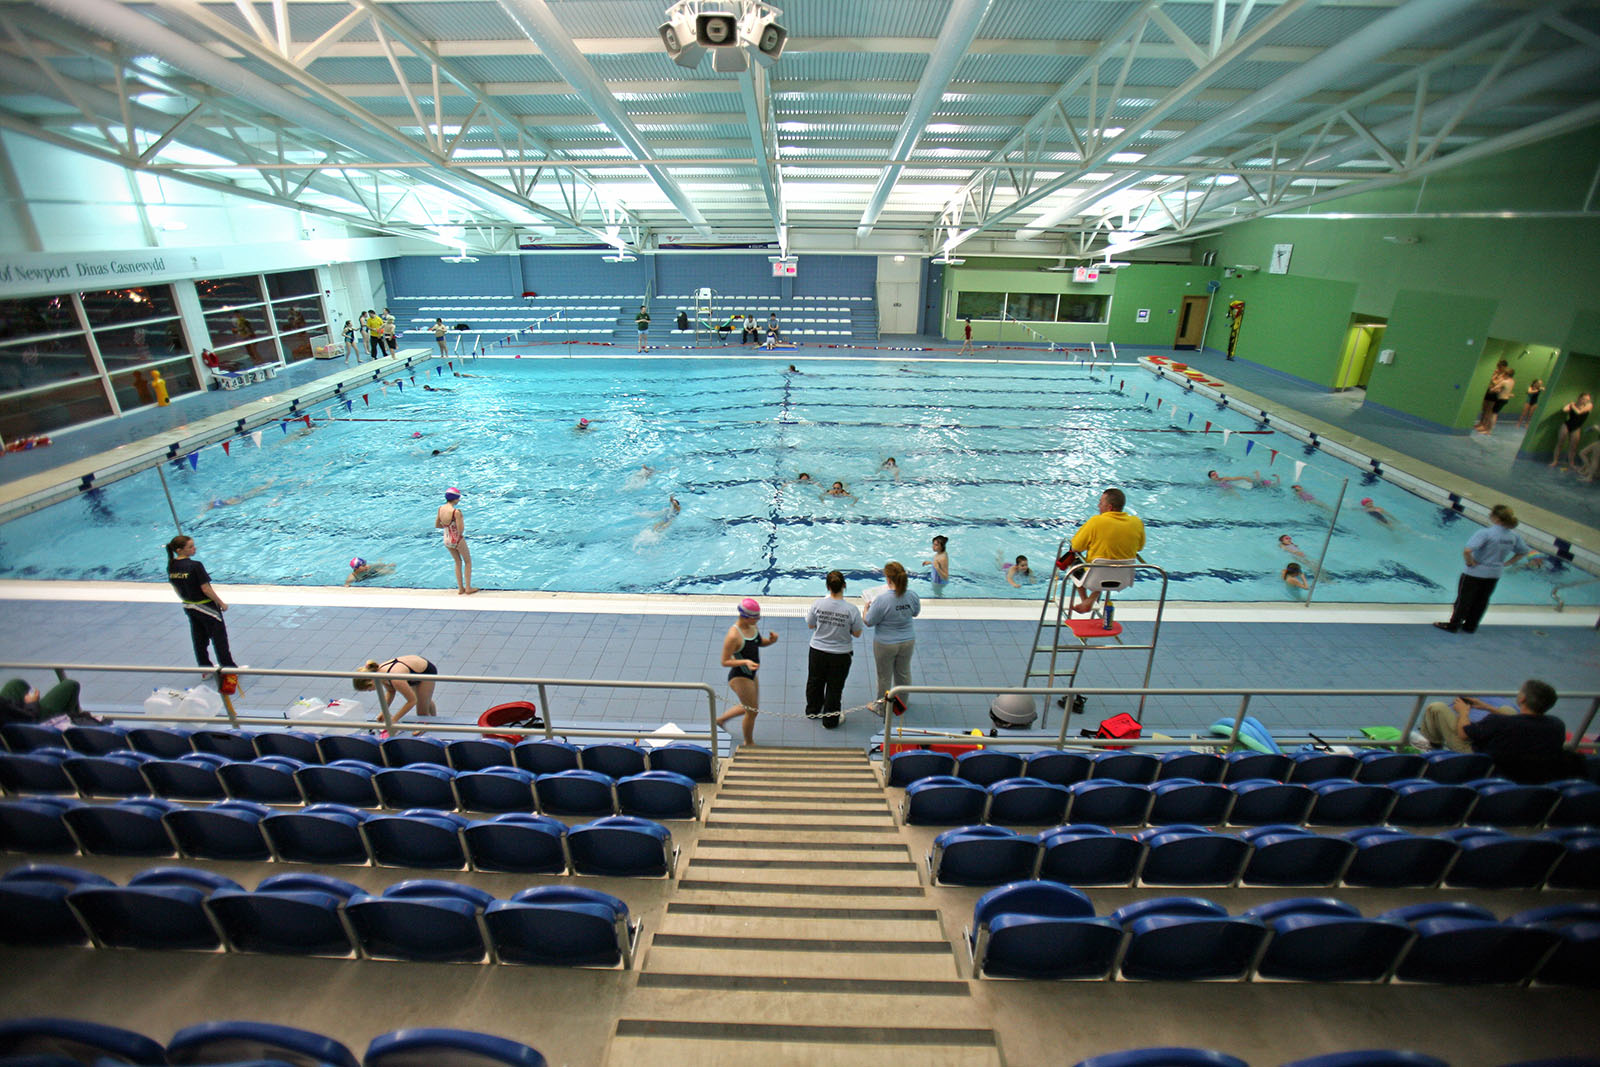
x: 1252, y: 734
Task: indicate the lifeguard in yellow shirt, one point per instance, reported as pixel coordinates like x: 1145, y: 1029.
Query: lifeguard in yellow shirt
x: 1112, y: 534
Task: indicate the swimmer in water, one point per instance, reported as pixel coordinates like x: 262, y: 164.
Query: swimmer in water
x: 582, y: 427
x: 431, y: 389
x: 1376, y: 512
x: 794, y: 370
x: 446, y: 451
x: 1226, y: 480
x: 1287, y: 544
x: 226, y: 502
x: 673, y: 507
x: 939, y: 565
x: 892, y: 467
x: 1304, y: 496
x: 838, y: 489
x: 1015, y: 571
x: 804, y: 479
x: 361, y: 570
x: 1294, y: 580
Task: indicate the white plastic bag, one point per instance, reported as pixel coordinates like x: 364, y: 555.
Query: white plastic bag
x: 163, y: 702
x: 200, y: 700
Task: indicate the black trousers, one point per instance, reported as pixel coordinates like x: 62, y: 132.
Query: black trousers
x: 1472, y: 600
x: 825, y: 682
x: 375, y: 346
x: 205, y: 631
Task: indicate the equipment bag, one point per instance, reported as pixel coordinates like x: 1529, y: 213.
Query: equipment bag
x: 1119, y: 727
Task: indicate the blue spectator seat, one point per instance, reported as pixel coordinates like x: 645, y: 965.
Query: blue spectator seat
x: 1576, y: 961
x: 38, y: 770
x: 287, y: 914
x: 1086, y: 854
x: 416, y: 785
x: 622, y: 846
x: 681, y: 757
x: 1456, y: 768
x: 1139, y: 768
x: 982, y: 855
x: 575, y: 793
x: 407, y: 751
x: 1311, y: 767
x: 545, y: 757
x: 318, y: 833
x: 658, y: 795
x: 159, y: 908
x: 908, y: 767
x: 344, y: 781
x: 1030, y: 897
x: 78, y: 1042
x: 1191, y: 855
x: 1377, y: 1057
x: 1493, y: 859
x: 363, y: 748
x: 988, y: 766
x: 229, y: 744
x: 419, y: 837
x: 1249, y: 766
x: 1173, y: 946
x: 1163, y: 1057
x: 1579, y: 804
x: 495, y: 789
x: 230, y: 830
x: 96, y: 740
x: 517, y: 843
x: 1504, y: 803
x: 1189, y: 800
x: 1471, y: 949
x: 132, y: 826
x: 1264, y: 802
x: 295, y: 744
x: 1040, y: 929
x: 562, y: 926
x: 1109, y: 803
x: 1062, y: 768
x: 424, y: 919
x: 1421, y: 802
x: 1312, y: 942
x: 268, y: 780
x: 1390, y: 858
x: 1293, y: 855
x: 1343, y: 802
x: 225, y: 1042
x: 1027, y: 802
x: 191, y: 777
x: 113, y: 775
x: 37, y: 824
x: 33, y: 899
x: 613, y: 759
x: 944, y: 800
x: 163, y: 742
x: 479, y: 753
x: 1579, y: 868
x: 1200, y: 766
x: 29, y: 736
x: 1381, y: 765
x: 440, y: 1047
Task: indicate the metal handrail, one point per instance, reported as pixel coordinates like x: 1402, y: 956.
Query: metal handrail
x: 386, y: 719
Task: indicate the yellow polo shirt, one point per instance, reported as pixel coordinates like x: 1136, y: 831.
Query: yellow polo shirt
x: 1109, y: 535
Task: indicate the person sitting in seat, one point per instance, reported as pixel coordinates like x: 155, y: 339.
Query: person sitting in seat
x: 20, y: 702
x: 1526, y: 744
x: 1112, y: 534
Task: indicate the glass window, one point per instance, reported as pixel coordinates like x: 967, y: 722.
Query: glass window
x: 1082, y: 307
x: 134, y: 390
x: 247, y: 353
x: 980, y: 305
x: 229, y: 292
x: 30, y: 315
x: 292, y: 283
x: 1031, y: 307
x: 240, y: 324
x: 52, y: 409
x: 40, y: 361
x: 112, y: 306
x: 147, y: 343
x: 298, y: 314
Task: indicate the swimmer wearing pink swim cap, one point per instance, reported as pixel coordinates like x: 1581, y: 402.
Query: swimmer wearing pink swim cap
x: 583, y: 426
x: 361, y: 570
x: 1375, y: 511
x: 454, y: 524
x: 741, y: 654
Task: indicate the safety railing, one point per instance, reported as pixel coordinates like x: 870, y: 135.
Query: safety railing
x: 895, y: 730
x: 386, y: 719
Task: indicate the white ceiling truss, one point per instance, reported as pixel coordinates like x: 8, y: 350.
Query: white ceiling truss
x: 1031, y: 127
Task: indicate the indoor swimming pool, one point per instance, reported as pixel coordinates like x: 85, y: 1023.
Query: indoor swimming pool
x: 1004, y: 459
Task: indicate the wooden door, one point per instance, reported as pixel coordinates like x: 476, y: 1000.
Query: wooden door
x: 1191, y: 322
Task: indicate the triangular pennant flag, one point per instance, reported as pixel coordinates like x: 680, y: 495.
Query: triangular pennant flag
x: 1191, y: 421
x: 1225, y: 435
x: 364, y: 401
x: 256, y: 437
x: 1208, y: 426
x: 1121, y: 384
x: 225, y: 451
x: 438, y: 370
x: 413, y: 379
x: 348, y: 405
x: 1158, y: 403
x: 1248, y: 445
x: 194, y: 461
x: 450, y: 363
x: 284, y: 426
x: 307, y: 419
x: 1298, y: 467
x: 1274, y: 458
x: 401, y: 386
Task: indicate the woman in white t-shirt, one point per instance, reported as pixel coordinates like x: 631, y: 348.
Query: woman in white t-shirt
x: 835, y: 622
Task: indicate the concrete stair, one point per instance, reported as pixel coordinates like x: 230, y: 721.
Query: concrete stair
x: 800, y: 932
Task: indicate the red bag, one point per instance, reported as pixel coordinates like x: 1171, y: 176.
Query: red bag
x: 516, y: 713
x: 1119, y: 728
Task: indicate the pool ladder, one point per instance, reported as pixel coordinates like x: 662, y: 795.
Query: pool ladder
x: 1062, y: 640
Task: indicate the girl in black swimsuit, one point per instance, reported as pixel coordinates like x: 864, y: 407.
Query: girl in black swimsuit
x: 741, y: 654
x: 418, y: 693
x: 1573, y: 416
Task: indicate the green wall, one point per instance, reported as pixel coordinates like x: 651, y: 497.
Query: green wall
x: 1294, y: 324
x: 1018, y: 276
x: 1160, y: 290
x: 1441, y: 367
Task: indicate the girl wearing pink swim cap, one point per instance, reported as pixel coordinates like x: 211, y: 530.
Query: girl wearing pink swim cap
x: 741, y: 654
x: 449, y: 519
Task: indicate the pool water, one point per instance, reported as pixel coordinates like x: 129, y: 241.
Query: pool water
x: 1003, y: 459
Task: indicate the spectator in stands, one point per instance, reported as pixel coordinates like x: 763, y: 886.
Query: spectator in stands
x: 751, y: 330
x: 418, y: 692
x: 391, y: 337
x: 439, y: 330
x: 1111, y: 534
x: 1527, y: 745
x: 741, y: 654
x: 642, y: 322
x: 449, y: 519
x: 890, y: 612
x: 1487, y: 553
x: 374, y: 324
x: 20, y: 702
x: 834, y: 622
x: 200, y: 601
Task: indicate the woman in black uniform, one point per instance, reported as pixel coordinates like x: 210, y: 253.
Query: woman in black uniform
x: 201, y: 604
x: 741, y: 654
x: 1573, y: 416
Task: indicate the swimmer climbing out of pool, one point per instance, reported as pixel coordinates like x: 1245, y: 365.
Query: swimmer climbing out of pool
x: 1014, y: 571
x: 361, y: 570
x: 939, y: 565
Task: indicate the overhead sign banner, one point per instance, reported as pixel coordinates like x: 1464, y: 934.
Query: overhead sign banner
x: 25, y: 274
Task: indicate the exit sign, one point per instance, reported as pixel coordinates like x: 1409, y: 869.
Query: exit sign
x: 1085, y: 274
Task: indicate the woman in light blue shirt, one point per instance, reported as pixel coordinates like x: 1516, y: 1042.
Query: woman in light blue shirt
x: 890, y: 614
x: 1486, y: 555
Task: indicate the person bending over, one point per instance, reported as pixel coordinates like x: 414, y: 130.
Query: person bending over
x: 409, y: 676
x: 1527, y: 744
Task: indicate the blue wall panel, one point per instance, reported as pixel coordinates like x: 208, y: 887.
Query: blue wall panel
x: 583, y: 274
x: 431, y: 276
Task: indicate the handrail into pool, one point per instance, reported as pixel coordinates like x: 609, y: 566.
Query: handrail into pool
x: 385, y: 719
x: 1019, y: 740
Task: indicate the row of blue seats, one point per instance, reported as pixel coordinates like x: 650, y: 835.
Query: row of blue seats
x: 282, y: 780
x: 619, y: 846
x: 539, y: 755
x: 1375, y: 1057
x: 1382, y: 856
x: 46, y: 1042
x: 315, y: 915
x: 1042, y: 929
x: 944, y: 800
x: 1379, y: 765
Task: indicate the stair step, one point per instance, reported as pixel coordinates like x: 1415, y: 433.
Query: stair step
x: 867, y: 931
x: 857, y: 809
x: 719, y: 959
x: 778, y: 861
x: 800, y: 881
x: 639, y: 1041
x: 829, y: 1004
x: 798, y: 823
x: 862, y: 838
x: 803, y: 911
x: 764, y: 790
x: 948, y: 991
x: 689, y: 883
